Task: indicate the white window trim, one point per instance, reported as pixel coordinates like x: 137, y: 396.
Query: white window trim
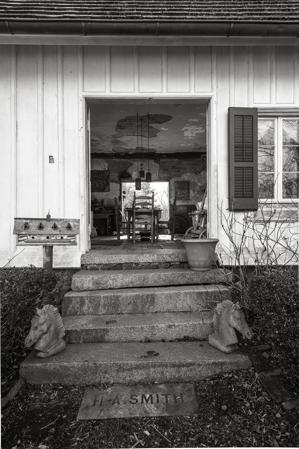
x: 278, y: 116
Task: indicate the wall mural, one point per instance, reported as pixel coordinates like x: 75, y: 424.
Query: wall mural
x: 172, y: 128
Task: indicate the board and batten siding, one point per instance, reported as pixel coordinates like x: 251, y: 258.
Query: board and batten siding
x: 42, y: 114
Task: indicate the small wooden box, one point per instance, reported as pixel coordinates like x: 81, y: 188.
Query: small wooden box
x: 46, y: 231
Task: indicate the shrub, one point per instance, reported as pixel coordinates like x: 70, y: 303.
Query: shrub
x: 22, y: 290
x: 272, y: 302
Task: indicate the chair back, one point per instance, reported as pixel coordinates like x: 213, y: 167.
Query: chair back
x: 143, y: 201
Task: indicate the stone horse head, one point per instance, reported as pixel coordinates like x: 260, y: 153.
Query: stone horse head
x: 228, y: 317
x: 46, y: 332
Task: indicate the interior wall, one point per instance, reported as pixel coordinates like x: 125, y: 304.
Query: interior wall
x: 168, y: 139
x: 170, y: 168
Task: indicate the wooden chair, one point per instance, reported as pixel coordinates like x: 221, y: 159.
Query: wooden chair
x: 143, y: 216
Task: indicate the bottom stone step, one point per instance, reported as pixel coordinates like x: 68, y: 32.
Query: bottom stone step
x: 131, y: 363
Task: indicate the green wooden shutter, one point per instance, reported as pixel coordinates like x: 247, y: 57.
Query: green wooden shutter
x: 242, y: 145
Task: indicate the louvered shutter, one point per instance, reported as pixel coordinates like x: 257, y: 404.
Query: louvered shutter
x: 242, y: 144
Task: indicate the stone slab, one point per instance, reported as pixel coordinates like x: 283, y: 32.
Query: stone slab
x: 124, y: 401
x: 118, y: 256
x: 115, y: 279
x: 143, y: 327
x: 144, y: 300
x: 130, y: 363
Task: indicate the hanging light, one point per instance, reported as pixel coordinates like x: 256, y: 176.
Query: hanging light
x: 138, y: 179
x: 148, y: 176
x: 141, y: 171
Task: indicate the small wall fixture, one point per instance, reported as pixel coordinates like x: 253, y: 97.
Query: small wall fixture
x: 51, y: 159
x: 138, y: 184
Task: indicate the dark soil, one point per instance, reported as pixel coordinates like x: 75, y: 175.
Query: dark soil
x: 233, y: 411
x: 22, y: 290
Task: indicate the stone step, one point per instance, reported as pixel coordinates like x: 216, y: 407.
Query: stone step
x: 189, y: 298
x: 143, y: 327
x: 130, y: 258
x: 115, y: 279
x: 130, y: 363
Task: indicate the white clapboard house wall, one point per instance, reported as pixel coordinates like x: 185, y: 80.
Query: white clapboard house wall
x: 45, y: 82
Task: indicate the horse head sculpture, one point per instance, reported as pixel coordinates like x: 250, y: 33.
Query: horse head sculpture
x: 228, y: 317
x: 46, y: 332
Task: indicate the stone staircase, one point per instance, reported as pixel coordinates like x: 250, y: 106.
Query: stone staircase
x: 137, y: 325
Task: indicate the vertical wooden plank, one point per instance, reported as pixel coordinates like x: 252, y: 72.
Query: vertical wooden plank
x: 203, y: 69
x: 261, y: 75
x: 150, y: 69
x: 27, y: 123
x: 178, y: 69
x: 223, y: 97
x: 122, y: 69
x: 71, y: 131
x: 241, y: 76
x: 40, y: 131
x: 6, y: 169
x: 220, y: 162
x: 296, y: 81
x: 285, y: 74
x: 94, y: 69
x: 51, y: 131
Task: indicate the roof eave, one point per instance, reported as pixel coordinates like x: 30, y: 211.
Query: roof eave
x: 185, y: 28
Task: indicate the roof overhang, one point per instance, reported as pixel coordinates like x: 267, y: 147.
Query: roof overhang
x: 79, y: 28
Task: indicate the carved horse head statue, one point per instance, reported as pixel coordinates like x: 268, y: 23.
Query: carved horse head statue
x: 228, y: 317
x: 46, y: 332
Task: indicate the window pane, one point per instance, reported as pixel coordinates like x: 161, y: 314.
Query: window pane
x: 266, y: 158
x: 266, y: 185
x: 290, y: 185
x: 291, y: 158
x: 291, y: 131
x: 266, y: 132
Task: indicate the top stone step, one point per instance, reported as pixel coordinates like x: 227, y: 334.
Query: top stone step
x: 112, y: 279
x: 118, y: 258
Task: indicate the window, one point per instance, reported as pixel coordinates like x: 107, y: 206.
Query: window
x: 278, y: 158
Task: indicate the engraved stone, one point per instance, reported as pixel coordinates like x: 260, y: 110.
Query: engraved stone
x: 123, y: 401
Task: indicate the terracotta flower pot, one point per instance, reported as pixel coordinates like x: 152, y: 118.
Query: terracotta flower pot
x: 201, y: 253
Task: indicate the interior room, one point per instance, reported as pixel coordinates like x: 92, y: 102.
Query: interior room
x: 143, y: 148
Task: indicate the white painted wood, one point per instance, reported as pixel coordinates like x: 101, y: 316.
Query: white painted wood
x: 43, y: 92
x: 178, y: 69
x: 296, y: 77
x: 126, y: 40
x: 6, y: 119
x: 261, y: 75
x: 94, y: 69
x: 241, y: 76
x: 70, y: 167
x: 284, y: 75
x: 150, y: 69
x: 203, y: 69
x: 223, y: 96
x: 27, y: 125
x: 40, y: 131
x: 51, y: 130
x: 122, y: 69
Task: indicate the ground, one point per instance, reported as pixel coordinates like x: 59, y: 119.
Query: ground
x: 234, y: 408
x: 233, y: 411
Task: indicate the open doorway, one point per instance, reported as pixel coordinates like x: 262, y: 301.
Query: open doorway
x: 131, y: 138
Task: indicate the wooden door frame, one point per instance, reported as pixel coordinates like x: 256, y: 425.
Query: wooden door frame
x: 212, y: 162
